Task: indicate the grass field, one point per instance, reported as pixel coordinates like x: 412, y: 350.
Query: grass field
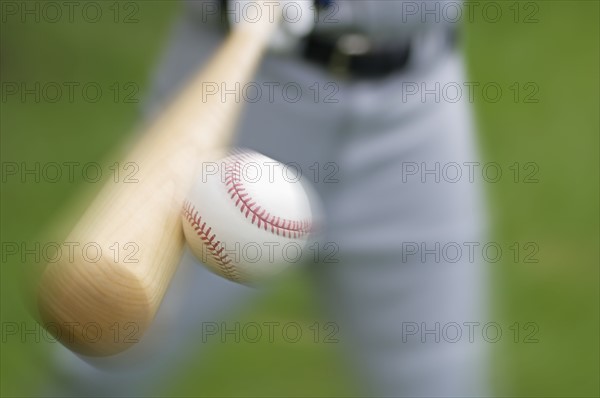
x: 559, y: 54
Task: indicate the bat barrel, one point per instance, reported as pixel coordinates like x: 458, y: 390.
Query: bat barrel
x: 97, y: 312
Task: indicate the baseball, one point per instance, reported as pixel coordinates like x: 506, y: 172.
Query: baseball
x: 248, y: 217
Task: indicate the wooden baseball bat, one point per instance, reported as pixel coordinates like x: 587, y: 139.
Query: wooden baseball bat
x: 101, y: 308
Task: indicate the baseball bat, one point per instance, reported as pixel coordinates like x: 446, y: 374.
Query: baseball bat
x: 103, y: 307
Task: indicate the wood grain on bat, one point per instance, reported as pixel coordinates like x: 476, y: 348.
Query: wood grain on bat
x: 116, y: 291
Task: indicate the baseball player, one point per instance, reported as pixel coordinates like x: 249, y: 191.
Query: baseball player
x: 353, y: 97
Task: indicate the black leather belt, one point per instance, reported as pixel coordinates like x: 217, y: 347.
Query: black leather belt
x: 351, y: 56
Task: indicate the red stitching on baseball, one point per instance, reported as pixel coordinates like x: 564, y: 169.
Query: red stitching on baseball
x: 215, y: 247
x: 249, y: 207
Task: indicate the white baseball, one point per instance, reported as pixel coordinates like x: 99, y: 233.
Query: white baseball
x: 248, y: 217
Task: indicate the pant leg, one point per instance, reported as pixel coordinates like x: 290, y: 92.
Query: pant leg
x: 377, y: 291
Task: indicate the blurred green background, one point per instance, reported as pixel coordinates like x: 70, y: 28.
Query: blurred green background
x: 560, y: 53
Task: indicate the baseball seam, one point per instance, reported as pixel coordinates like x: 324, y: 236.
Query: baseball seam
x: 248, y: 206
x: 210, y: 241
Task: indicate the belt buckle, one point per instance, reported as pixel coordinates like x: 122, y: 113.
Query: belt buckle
x: 348, y: 46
